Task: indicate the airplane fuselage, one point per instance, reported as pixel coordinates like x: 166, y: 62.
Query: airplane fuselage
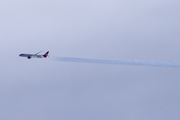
x: 29, y: 56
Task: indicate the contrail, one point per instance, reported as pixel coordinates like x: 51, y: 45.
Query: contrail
x: 123, y: 62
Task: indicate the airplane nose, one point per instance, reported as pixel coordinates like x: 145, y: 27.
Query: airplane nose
x: 20, y: 55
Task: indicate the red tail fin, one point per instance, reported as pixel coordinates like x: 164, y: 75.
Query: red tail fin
x: 46, y: 54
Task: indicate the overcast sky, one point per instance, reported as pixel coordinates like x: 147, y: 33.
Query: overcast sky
x: 43, y: 89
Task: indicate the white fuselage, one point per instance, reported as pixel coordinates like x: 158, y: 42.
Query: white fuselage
x: 31, y: 56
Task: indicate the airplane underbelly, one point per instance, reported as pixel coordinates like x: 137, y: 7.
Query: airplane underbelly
x: 39, y: 56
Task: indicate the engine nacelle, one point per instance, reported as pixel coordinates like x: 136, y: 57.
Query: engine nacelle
x: 29, y: 57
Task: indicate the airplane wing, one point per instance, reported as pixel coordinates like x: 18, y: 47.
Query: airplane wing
x: 38, y: 53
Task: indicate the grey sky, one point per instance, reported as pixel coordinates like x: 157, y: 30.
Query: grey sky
x: 42, y: 89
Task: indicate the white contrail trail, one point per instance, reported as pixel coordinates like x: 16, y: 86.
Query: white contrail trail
x: 123, y: 62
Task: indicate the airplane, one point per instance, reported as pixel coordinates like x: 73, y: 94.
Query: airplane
x: 29, y: 56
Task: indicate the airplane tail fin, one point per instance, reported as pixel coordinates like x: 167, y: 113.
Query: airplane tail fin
x: 46, y: 54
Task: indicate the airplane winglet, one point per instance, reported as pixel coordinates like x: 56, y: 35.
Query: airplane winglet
x: 39, y: 52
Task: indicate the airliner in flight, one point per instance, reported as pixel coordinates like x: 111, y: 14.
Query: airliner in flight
x: 29, y: 56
